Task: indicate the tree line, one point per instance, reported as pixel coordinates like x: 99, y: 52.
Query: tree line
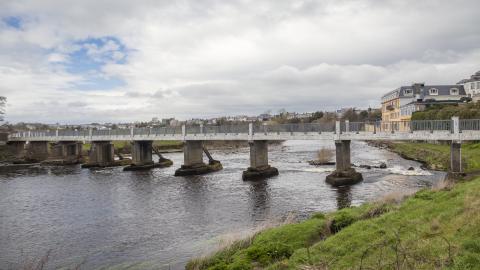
x: 446, y: 112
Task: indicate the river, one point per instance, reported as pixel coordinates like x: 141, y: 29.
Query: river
x: 108, y: 218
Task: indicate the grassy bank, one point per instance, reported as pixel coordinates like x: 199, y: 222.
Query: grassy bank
x: 432, y: 229
x: 437, y: 156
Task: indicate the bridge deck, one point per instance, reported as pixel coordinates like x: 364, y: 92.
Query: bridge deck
x: 448, y: 130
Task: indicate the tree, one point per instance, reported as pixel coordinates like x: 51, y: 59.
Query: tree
x: 3, y: 102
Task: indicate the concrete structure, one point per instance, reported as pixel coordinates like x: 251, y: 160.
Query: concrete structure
x: 259, y: 167
x: 193, y: 160
x: 193, y: 153
x: 344, y: 174
x: 142, y: 153
x: 454, y: 130
x: 342, y: 155
x: 101, y: 154
x: 17, y: 148
x: 37, y: 151
x: 65, y: 152
x: 456, y: 157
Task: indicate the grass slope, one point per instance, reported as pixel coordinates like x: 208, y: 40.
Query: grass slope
x: 429, y: 230
x: 437, y: 156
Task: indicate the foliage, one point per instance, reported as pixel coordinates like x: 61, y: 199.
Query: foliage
x: 325, y: 155
x: 445, y: 112
x: 431, y: 230
x: 278, y: 244
x: 437, y: 156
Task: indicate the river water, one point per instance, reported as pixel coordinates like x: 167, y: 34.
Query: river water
x: 151, y: 220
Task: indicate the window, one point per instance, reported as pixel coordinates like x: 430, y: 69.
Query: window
x: 433, y: 91
x: 478, y: 85
x: 454, y: 91
x: 408, y: 92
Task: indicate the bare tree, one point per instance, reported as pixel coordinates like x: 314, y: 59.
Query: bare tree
x: 3, y: 102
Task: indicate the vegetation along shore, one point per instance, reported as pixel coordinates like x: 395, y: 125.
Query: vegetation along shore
x: 436, y: 228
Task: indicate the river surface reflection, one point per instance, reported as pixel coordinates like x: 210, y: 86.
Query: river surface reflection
x: 152, y: 220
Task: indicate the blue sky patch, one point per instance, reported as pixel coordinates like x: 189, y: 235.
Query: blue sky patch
x: 92, y: 54
x: 13, y: 22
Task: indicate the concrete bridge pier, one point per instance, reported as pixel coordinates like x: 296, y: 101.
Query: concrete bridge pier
x: 65, y: 152
x: 456, y: 158
x: 17, y: 149
x: 37, y: 151
x: 259, y: 168
x: 344, y: 174
x: 142, y: 153
x: 142, y: 157
x: 101, y: 155
x: 193, y: 160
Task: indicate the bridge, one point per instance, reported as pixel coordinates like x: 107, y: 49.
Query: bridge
x: 342, y: 132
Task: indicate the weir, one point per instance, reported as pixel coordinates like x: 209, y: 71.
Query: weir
x: 259, y: 167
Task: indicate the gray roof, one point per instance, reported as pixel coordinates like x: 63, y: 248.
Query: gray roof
x: 443, y: 90
x: 473, y: 78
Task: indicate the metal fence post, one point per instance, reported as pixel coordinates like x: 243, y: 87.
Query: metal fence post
x: 455, y: 125
x: 184, y: 132
x: 250, y: 131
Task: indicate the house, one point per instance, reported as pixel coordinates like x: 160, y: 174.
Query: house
x: 472, y: 86
x: 401, y: 103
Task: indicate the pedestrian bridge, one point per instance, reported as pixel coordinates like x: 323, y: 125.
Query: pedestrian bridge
x: 101, y: 153
x: 448, y: 130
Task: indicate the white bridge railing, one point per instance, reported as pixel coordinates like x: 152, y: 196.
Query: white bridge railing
x: 251, y: 130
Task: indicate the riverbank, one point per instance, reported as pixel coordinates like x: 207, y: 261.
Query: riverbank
x: 433, y: 228
x: 435, y: 156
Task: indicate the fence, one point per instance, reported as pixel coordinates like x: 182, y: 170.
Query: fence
x: 345, y: 126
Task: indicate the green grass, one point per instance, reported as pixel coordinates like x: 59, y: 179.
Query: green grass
x: 429, y: 230
x: 437, y: 156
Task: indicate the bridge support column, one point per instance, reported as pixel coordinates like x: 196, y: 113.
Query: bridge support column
x: 193, y: 160
x: 142, y: 157
x: 259, y: 168
x: 17, y: 149
x: 142, y: 153
x: 65, y: 153
x: 101, y: 155
x: 456, y: 157
x: 344, y: 174
x: 37, y: 151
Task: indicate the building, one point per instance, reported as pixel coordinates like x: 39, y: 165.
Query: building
x: 472, y: 86
x: 401, y: 103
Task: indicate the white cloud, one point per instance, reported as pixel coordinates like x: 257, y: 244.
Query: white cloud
x: 206, y: 58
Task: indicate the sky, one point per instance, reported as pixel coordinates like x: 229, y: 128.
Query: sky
x: 120, y: 61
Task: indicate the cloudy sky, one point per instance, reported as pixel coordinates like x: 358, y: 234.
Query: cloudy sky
x: 116, y: 61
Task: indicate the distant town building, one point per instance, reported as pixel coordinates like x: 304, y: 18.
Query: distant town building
x: 472, y: 85
x: 401, y: 103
